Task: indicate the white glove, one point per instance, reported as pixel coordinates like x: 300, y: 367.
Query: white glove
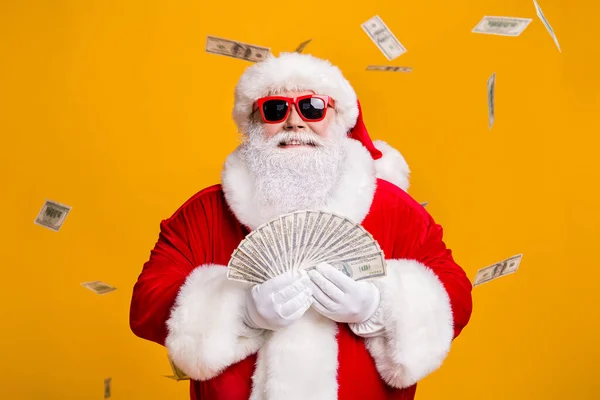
x: 279, y: 301
x: 341, y: 298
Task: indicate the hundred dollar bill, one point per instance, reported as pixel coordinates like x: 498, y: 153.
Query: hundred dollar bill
x: 388, y: 68
x: 257, y: 254
x: 248, y: 274
x: 286, y: 222
x: 231, y: 48
x: 351, y: 253
x: 258, y: 266
x: 355, y: 231
x: 277, y: 231
x: 52, y: 215
x: 491, y: 86
x: 503, y: 26
x: 259, y: 244
x: 542, y: 18
x: 424, y: 204
x: 302, y: 45
x: 502, y: 268
x: 98, y: 287
x: 381, y: 35
x: 235, y: 275
x: 333, y: 247
x: 107, y: 384
x: 320, y: 223
x: 348, y: 247
x: 298, y: 226
x: 339, y: 232
x: 270, y: 240
x: 309, y: 226
x: 247, y: 266
x: 369, y: 266
x: 178, y: 374
x: 331, y: 224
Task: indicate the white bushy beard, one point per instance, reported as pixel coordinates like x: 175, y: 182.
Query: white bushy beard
x: 292, y: 179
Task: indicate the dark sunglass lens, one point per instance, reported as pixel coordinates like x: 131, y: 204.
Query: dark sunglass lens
x: 312, y: 108
x: 275, y: 110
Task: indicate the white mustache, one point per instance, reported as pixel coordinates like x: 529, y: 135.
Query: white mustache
x: 306, y: 137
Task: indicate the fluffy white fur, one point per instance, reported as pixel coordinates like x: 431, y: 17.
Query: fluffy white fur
x: 351, y: 197
x: 298, y: 362
x: 419, y: 325
x: 392, y: 166
x: 205, y: 329
x: 293, y: 72
x: 287, y: 180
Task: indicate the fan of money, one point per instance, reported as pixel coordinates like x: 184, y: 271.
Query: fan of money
x: 303, y: 239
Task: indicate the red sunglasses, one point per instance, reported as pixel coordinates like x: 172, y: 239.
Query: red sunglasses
x: 276, y: 109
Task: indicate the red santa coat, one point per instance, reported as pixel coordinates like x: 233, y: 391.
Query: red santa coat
x: 184, y: 301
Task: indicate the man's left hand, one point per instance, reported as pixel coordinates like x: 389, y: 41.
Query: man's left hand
x: 341, y: 298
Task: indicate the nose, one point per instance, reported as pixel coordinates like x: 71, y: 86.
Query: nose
x: 293, y: 121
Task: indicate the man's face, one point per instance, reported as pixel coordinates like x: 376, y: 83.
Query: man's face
x: 295, y: 124
x: 295, y: 164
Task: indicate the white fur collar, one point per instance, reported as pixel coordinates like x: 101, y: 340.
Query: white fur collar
x: 352, y: 197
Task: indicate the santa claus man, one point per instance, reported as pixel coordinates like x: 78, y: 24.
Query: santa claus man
x: 302, y: 336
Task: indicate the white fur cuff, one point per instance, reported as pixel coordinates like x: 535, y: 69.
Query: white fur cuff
x: 206, y: 328
x: 418, y: 324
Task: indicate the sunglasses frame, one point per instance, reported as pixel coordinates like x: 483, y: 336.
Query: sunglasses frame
x: 329, y: 102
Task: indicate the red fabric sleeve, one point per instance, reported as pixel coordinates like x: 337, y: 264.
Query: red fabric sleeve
x: 179, y: 249
x: 432, y: 252
x: 410, y: 232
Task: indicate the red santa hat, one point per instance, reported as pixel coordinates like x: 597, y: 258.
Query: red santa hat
x: 359, y: 132
x: 300, y: 72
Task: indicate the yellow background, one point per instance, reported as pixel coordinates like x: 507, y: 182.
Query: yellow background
x: 113, y: 108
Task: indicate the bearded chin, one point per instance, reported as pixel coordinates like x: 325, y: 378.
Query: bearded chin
x: 291, y: 179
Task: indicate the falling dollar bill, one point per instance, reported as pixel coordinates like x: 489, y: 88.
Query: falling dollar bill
x: 502, y: 268
x: 52, y: 215
x: 503, y: 26
x: 491, y: 86
x: 98, y: 287
x: 542, y: 18
x: 424, y: 204
x: 302, y: 45
x: 231, y: 48
x: 388, y: 68
x: 381, y: 35
x: 178, y: 374
x: 107, y: 383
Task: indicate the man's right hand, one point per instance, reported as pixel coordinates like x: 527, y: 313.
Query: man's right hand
x: 278, y: 302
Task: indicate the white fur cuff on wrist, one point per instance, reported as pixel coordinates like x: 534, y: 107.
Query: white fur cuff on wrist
x: 206, y: 331
x: 418, y: 323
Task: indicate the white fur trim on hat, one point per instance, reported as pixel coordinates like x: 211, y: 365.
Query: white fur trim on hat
x: 294, y: 72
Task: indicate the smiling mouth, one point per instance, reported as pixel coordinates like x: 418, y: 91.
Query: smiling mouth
x: 296, y: 143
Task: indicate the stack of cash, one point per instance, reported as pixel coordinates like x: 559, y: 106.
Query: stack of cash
x: 303, y: 239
